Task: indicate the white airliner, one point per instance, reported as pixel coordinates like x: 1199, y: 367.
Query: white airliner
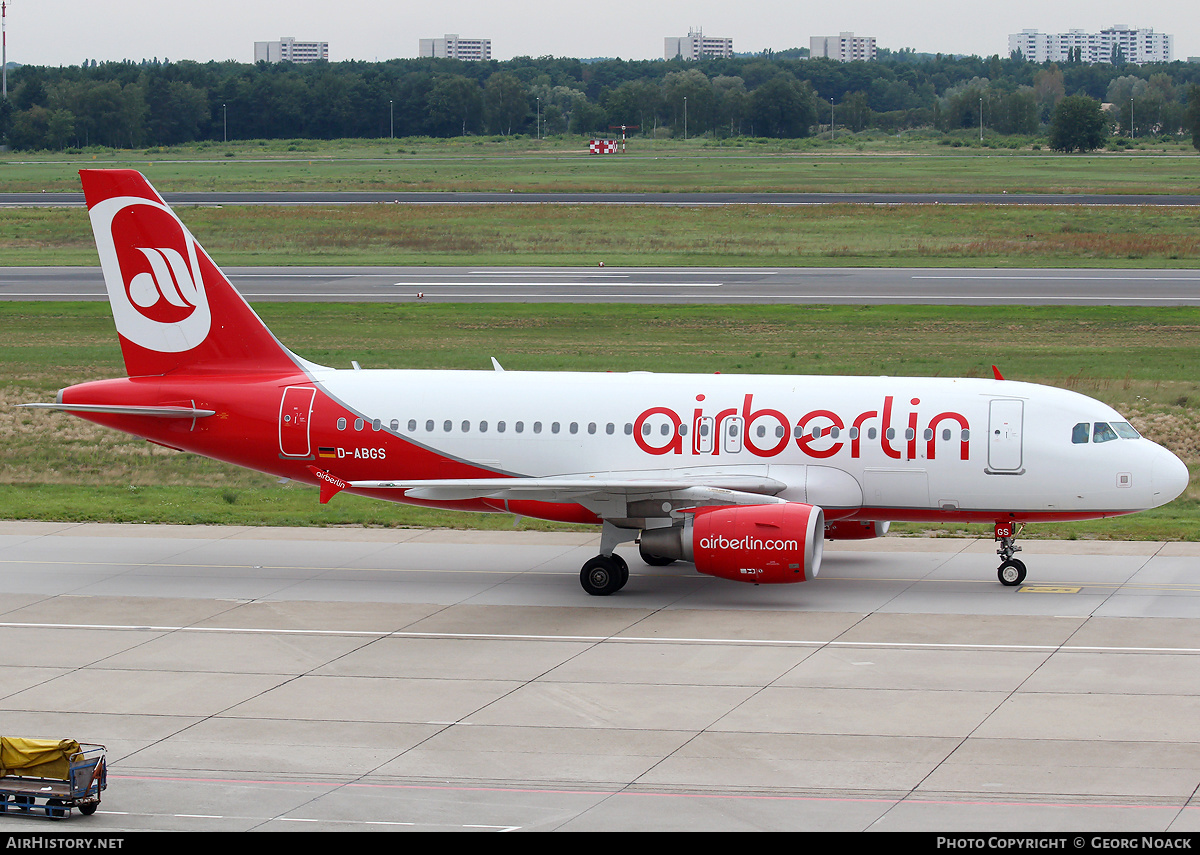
x: 745, y: 476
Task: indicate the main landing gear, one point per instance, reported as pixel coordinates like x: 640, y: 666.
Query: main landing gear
x: 607, y: 573
x: 604, y: 575
x: 1012, y: 570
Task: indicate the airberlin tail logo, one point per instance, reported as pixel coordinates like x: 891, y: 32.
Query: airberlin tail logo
x: 152, y: 272
x: 168, y: 288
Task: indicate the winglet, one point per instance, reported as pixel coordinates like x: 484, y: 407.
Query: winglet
x: 996, y: 373
x: 331, y: 485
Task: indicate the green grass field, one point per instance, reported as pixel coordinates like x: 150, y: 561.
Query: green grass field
x: 870, y: 164
x: 57, y: 467
x: 641, y: 236
x: 1143, y: 361
x: 838, y: 235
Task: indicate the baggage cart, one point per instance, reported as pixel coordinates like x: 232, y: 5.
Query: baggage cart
x: 51, y: 777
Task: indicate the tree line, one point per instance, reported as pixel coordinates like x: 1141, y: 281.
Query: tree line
x: 153, y: 103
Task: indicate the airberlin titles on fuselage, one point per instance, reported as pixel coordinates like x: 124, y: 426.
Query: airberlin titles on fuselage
x: 817, y: 433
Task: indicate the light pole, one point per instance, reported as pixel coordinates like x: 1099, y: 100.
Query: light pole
x: 539, y: 117
x: 225, y: 122
x: 831, y: 125
x: 1132, y: 131
x: 391, y: 119
x: 981, y: 118
x: 4, y: 49
x: 685, y: 117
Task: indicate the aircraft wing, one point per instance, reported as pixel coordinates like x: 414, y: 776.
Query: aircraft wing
x: 607, y: 494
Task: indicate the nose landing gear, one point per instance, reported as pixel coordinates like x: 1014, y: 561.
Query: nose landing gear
x: 1012, y: 570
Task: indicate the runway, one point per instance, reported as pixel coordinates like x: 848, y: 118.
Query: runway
x: 874, y: 286
x: 341, y: 679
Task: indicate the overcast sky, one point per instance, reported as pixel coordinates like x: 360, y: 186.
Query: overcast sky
x: 65, y: 32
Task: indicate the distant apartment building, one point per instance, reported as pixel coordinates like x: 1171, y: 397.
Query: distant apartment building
x: 287, y: 49
x: 696, y: 45
x: 845, y: 47
x: 1138, y: 46
x: 453, y: 47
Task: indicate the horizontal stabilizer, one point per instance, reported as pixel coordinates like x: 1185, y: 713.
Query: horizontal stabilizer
x: 120, y: 410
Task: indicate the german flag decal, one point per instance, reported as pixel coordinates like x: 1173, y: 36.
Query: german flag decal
x: 326, y: 451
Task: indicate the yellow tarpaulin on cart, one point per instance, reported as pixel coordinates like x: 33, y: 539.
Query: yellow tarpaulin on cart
x: 38, y: 758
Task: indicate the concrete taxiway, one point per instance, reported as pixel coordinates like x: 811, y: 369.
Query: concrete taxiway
x: 662, y: 285
x: 319, y: 679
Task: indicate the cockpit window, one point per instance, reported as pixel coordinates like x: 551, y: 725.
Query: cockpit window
x: 1103, y: 432
x: 1125, y: 430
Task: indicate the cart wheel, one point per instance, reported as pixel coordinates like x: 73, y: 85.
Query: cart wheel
x: 89, y: 808
x: 23, y: 802
x: 56, y: 808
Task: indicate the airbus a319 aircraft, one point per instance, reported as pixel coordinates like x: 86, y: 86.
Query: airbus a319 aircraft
x: 744, y: 476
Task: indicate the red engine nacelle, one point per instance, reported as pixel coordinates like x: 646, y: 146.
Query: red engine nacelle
x: 856, y: 529
x: 746, y: 543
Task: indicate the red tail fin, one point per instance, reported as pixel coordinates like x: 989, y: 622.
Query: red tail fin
x: 175, y: 311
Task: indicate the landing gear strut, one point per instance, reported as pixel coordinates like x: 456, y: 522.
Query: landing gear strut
x: 607, y: 573
x: 1012, y: 570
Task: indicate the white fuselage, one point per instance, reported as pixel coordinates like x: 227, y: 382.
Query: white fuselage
x: 899, y: 446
